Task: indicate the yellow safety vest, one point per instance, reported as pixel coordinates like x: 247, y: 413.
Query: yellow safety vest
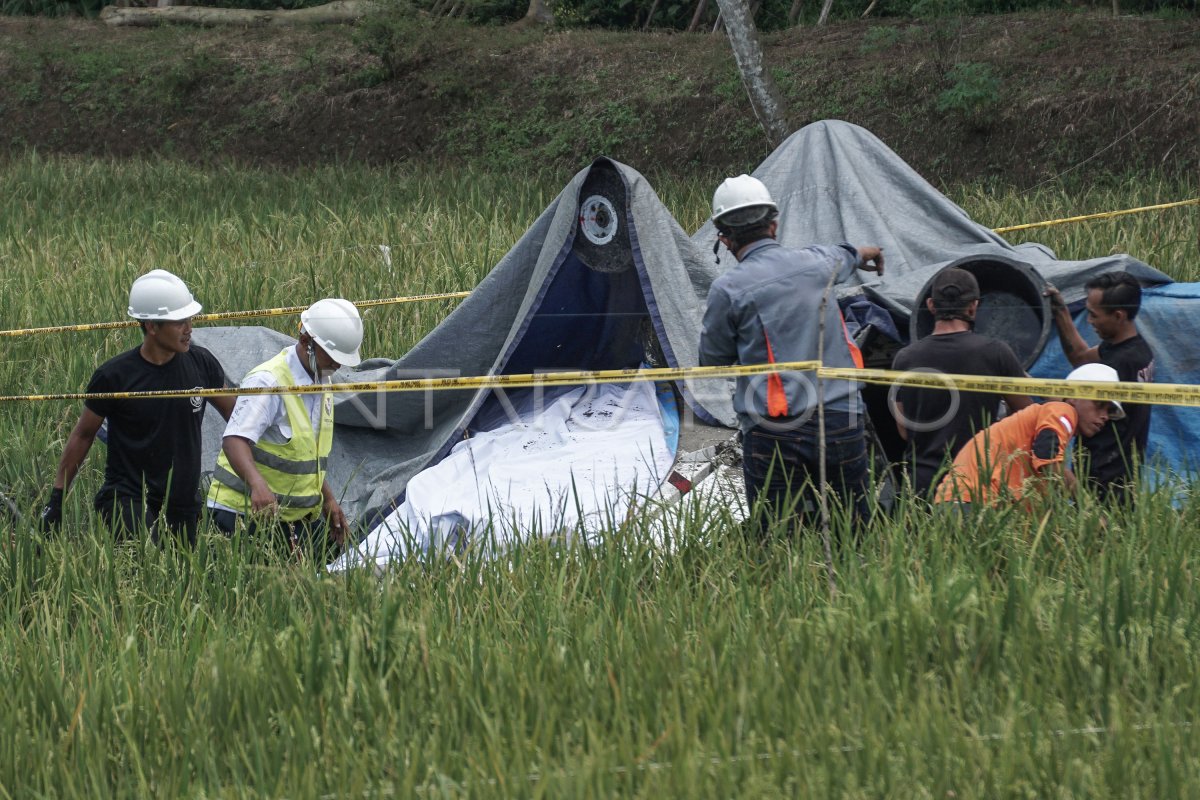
x: 294, y: 470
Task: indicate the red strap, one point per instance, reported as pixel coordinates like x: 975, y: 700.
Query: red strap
x: 777, y: 405
x: 855, y: 353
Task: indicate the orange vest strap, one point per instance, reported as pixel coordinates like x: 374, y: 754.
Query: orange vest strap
x: 777, y: 405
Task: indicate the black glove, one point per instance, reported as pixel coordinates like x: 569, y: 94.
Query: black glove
x: 52, y: 512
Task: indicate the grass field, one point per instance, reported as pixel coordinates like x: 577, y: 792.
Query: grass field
x: 1046, y: 656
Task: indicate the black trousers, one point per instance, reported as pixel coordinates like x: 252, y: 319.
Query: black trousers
x: 781, y: 468
x: 309, y: 536
x: 127, y: 516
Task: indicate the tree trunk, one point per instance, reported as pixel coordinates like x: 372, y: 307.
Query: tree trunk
x: 339, y: 11
x: 870, y: 8
x: 539, y: 13
x: 825, y: 8
x: 719, y: 25
x: 747, y: 51
x: 701, y: 5
x: 794, y: 12
x: 1116, y: 8
x: 654, y: 9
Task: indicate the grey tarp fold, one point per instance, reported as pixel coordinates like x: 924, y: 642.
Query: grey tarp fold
x: 836, y: 182
x: 833, y: 181
x: 558, y: 300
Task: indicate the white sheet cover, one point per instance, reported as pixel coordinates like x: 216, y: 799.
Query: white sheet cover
x: 574, y: 466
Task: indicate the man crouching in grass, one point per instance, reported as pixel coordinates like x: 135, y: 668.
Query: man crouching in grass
x: 1018, y: 455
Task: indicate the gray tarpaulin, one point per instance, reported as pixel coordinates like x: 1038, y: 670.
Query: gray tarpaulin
x: 606, y: 277
x: 836, y: 182
x: 602, y: 280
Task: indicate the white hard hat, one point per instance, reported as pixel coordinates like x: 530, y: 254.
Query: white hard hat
x: 334, y: 324
x: 159, y: 295
x: 1100, y: 373
x: 743, y: 194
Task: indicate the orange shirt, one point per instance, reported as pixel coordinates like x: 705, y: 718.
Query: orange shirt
x: 1000, y: 459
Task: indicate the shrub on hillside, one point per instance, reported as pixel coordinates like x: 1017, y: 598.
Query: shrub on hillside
x: 973, y: 93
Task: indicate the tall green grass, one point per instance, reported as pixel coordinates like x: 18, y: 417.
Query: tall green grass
x: 1020, y: 657
x: 1168, y: 240
x: 1025, y: 656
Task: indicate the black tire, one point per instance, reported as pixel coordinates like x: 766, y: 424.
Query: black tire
x: 602, y: 230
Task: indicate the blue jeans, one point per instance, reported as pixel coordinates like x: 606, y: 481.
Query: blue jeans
x: 782, y: 470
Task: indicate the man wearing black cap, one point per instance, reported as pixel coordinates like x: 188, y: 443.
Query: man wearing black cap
x: 937, y: 423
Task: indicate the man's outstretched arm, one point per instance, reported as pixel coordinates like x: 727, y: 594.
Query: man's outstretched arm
x: 79, y: 443
x: 1074, y: 347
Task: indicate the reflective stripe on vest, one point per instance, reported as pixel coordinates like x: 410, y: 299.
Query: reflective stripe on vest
x: 294, y: 470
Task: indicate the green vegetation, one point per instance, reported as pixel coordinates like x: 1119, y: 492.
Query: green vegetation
x: 402, y: 41
x: 880, y: 39
x: 974, y: 92
x: 1168, y: 240
x: 770, y: 15
x: 1020, y: 658
x: 1029, y: 656
x: 958, y: 98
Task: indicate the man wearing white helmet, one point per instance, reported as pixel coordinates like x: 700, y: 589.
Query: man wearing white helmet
x: 767, y: 309
x: 1013, y: 459
x: 154, y: 446
x: 272, y: 465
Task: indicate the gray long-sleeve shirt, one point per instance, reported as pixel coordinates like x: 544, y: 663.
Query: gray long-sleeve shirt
x: 766, y: 310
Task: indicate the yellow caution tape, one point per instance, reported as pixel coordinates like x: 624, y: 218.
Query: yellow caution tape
x: 1101, y: 215
x: 1173, y: 394
x: 1168, y: 394
x: 440, y: 384
x: 227, y: 315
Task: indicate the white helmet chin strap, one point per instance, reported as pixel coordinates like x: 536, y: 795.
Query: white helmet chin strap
x: 312, y: 357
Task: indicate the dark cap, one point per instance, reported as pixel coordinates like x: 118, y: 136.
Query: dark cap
x: 954, y: 287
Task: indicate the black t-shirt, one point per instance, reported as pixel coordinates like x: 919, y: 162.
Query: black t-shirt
x: 1111, y: 451
x: 953, y: 417
x: 151, y: 441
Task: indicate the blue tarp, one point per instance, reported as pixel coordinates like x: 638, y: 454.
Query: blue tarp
x: 602, y: 279
x: 1169, y: 322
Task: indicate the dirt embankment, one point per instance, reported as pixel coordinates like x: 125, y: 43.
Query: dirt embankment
x: 1023, y: 96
